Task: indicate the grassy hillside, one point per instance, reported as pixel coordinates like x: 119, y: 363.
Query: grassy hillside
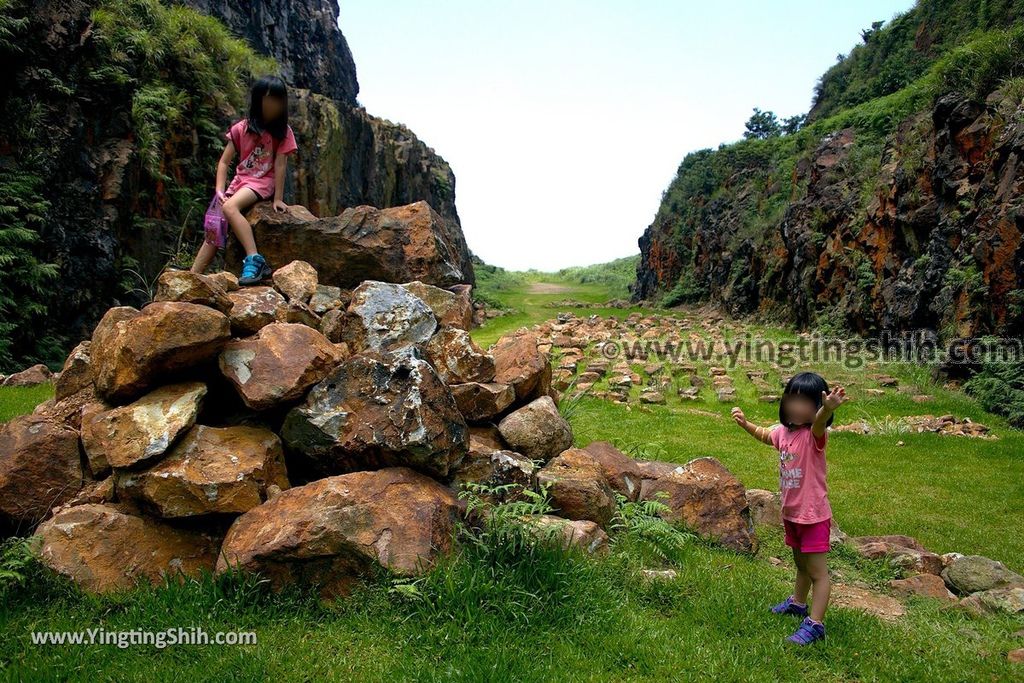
x: 895, y: 54
x: 872, y: 196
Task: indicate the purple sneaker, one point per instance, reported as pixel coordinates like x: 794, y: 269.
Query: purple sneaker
x: 787, y: 606
x: 808, y: 632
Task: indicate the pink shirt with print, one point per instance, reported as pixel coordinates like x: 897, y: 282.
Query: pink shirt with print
x: 256, y: 155
x: 802, y: 471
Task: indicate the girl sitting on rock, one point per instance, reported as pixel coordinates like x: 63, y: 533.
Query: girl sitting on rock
x: 805, y: 412
x: 263, y: 141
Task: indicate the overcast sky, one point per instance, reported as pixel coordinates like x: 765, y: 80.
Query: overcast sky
x: 565, y: 120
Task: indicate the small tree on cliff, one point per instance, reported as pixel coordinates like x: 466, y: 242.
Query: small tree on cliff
x: 762, y: 125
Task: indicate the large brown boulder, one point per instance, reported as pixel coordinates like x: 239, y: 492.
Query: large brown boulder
x: 451, y: 308
x: 296, y: 280
x: 40, y: 467
x: 278, y: 364
x: 537, y: 430
x: 901, y: 551
x: 577, y: 486
x: 133, y: 350
x: 624, y: 474
x: 506, y: 471
x: 68, y: 410
x: 396, y: 244
x: 457, y: 358
x: 973, y: 573
x: 706, y: 497
x: 184, y: 285
x: 482, y: 401
x: 927, y: 585
x: 335, y: 530
x: 569, y: 533
x: 376, y: 410
x: 253, y: 308
x: 765, y: 507
x: 518, y: 361
x: 76, y: 374
x: 141, y: 431
x: 31, y: 376
x: 211, y: 470
x: 486, y: 438
x: 383, y: 316
x: 1004, y: 600
x: 102, y: 548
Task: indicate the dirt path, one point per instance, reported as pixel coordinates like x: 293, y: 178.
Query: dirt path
x: 547, y: 288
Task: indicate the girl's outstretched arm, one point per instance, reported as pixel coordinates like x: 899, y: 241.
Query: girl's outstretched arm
x: 829, y: 403
x: 762, y: 434
x: 222, y: 166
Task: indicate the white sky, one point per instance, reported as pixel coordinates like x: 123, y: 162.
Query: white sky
x: 565, y: 120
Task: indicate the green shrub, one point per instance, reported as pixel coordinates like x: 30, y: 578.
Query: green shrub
x: 999, y: 388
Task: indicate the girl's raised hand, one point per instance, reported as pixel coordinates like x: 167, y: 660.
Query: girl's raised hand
x: 834, y: 398
x: 740, y: 418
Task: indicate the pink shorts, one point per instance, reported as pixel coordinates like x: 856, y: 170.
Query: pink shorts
x: 808, y: 538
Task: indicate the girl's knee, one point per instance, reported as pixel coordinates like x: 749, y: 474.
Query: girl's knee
x: 818, y: 572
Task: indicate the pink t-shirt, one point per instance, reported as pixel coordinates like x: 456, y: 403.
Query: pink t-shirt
x: 256, y: 155
x: 802, y: 471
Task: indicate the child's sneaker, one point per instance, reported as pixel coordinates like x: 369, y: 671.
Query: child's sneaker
x: 254, y: 270
x: 787, y: 606
x: 808, y: 632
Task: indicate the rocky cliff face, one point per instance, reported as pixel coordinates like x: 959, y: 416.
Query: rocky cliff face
x: 113, y: 217
x: 302, y: 36
x: 923, y: 232
x: 346, y: 156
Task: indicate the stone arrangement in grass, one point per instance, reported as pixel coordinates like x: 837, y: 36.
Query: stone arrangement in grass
x: 646, y: 359
x: 948, y: 425
x: 314, y: 435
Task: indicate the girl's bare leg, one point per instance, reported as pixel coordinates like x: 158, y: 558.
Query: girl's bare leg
x: 203, y: 258
x: 234, y: 210
x: 803, y: 577
x: 817, y: 568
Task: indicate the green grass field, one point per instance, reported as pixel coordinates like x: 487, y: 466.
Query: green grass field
x: 484, y: 616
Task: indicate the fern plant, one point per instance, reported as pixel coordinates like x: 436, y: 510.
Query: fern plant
x: 644, y: 521
x: 24, y: 279
x: 16, y: 560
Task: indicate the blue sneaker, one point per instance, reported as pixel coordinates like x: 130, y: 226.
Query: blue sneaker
x: 808, y: 632
x: 254, y: 270
x: 787, y: 606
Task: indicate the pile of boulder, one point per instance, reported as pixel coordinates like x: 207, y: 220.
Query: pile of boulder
x: 313, y: 434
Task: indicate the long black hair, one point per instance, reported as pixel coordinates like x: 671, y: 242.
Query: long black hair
x: 275, y: 87
x: 806, y: 384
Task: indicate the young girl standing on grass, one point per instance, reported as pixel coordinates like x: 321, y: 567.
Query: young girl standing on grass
x: 805, y: 412
x: 263, y: 141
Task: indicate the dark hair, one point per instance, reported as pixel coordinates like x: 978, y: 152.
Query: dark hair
x: 275, y: 87
x: 806, y: 384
